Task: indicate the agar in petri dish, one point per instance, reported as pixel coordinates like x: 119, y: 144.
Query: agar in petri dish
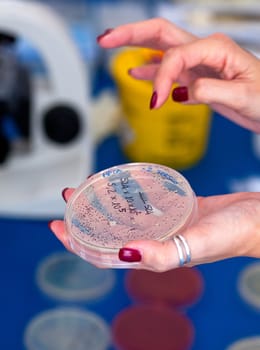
x: 180, y: 287
x: 249, y: 343
x: 67, y: 329
x: 249, y: 285
x: 152, y: 327
x: 127, y: 202
x: 66, y: 277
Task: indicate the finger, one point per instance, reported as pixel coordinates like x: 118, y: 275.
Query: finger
x: 230, y: 98
x: 207, y: 243
x: 156, y: 33
x: 58, y: 228
x: 66, y: 193
x: 146, y: 72
x: 216, y: 52
x: 155, y: 256
x: 164, y: 256
x: 232, y: 94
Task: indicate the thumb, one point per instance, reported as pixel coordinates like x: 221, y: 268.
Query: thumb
x: 156, y: 256
x: 164, y: 256
x: 210, y: 91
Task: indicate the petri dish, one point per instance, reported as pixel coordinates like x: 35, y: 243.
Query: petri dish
x: 132, y: 201
x: 66, y: 329
x: 249, y: 285
x: 153, y: 327
x: 66, y: 277
x: 249, y: 343
x: 179, y: 287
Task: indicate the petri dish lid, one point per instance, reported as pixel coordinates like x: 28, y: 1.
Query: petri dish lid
x: 152, y: 327
x: 127, y: 202
x: 66, y: 277
x: 249, y: 343
x: 66, y: 329
x: 249, y: 285
x: 179, y: 287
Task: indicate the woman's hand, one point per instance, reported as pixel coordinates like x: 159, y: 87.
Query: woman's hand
x: 227, y: 226
x: 213, y: 70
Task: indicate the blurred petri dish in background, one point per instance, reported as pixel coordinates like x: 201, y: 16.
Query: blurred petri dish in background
x: 153, y: 327
x: 179, y: 287
x: 124, y: 203
x: 249, y: 285
x: 249, y: 343
x: 66, y: 277
x: 67, y: 329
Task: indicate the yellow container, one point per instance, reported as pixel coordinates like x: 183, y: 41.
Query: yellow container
x: 175, y: 134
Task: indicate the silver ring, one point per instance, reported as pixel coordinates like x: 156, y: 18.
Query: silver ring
x: 183, y: 249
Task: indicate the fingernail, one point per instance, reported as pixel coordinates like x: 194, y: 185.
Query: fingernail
x: 90, y: 175
x: 49, y: 224
x: 129, y: 255
x: 106, y: 32
x: 180, y: 94
x: 153, y: 100
x: 63, y: 193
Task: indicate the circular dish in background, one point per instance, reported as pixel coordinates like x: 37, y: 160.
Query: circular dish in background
x: 66, y: 277
x: 152, y: 327
x: 67, y: 329
x: 249, y: 343
x: 249, y: 285
x: 179, y: 287
x: 124, y: 203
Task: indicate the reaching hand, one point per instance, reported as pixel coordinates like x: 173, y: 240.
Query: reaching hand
x: 213, y: 70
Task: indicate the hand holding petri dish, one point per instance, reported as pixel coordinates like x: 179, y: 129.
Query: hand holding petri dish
x: 133, y: 201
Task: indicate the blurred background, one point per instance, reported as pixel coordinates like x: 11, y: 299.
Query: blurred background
x: 68, y: 109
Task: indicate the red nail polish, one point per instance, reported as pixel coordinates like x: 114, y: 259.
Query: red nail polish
x: 153, y: 100
x: 180, y: 94
x: 106, y: 32
x: 129, y: 255
x: 63, y: 193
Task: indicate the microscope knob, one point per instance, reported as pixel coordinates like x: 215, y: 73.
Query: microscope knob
x: 7, y: 39
x: 61, y: 124
x: 4, y: 148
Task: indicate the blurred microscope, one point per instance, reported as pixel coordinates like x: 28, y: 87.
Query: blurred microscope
x: 46, y: 135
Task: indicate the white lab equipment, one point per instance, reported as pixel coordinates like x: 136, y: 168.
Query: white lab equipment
x: 31, y: 181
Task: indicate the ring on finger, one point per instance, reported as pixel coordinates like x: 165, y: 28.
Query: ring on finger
x: 183, y: 249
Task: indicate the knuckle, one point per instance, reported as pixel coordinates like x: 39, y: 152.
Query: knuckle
x: 221, y: 41
x: 221, y: 38
x: 168, y: 53
x: 200, y: 89
x: 160, y: 259
x: 162, y: 23
x: 157, y: 259
x: 159, y: 264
